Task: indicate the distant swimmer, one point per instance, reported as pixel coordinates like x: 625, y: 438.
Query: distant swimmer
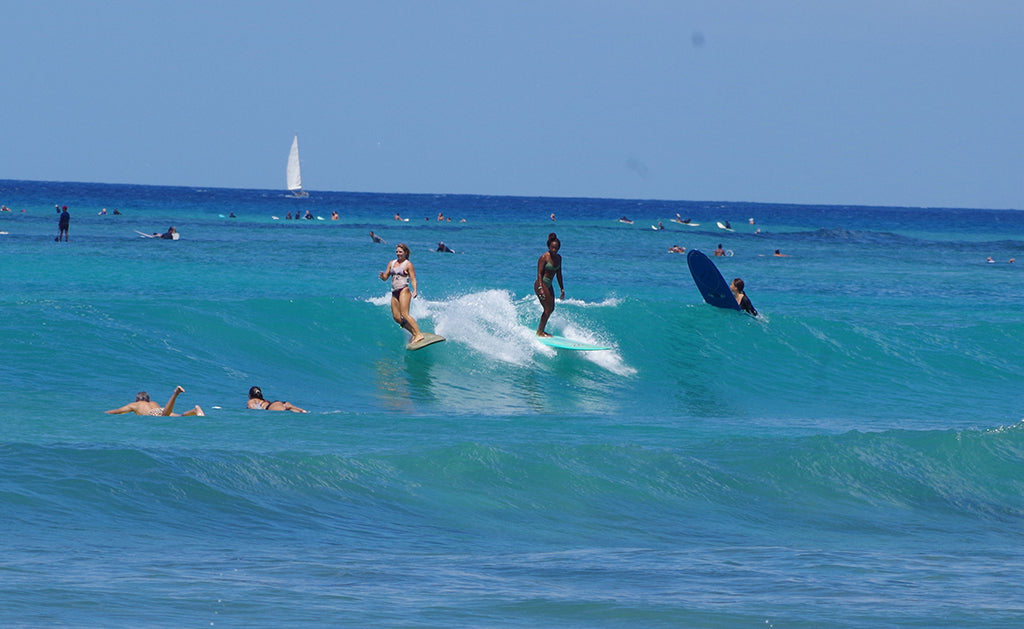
x: 676, y: 249
x: 741, y: 297
x: 377, y: 238
x: 143, y: 406
x: 444, y: 248
x: 170, y: 234
x: 403, y: 276
x: 552, y: 216
x: 334, y: 215
x: 398, y: 216
x: 719, y: 251
x: 549, y: 268
x: 990, y: 260
x: 623, y: 219
x: 779, y: 254
x: 256, y: 402
x: 660, y: 225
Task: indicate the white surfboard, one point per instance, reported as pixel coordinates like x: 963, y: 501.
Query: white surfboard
x: 560, y: 342
x: 428, y: 339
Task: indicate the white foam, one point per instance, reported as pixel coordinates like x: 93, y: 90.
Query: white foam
x: 494, y: 323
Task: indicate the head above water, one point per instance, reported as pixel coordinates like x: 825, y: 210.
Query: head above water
x: 405, y: 249
x: 553, y: 240
x: 738, y: 285
x: 255, y: 393
x: 142, y: 396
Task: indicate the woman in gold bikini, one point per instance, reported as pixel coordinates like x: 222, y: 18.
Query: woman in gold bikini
x: 143, y: 406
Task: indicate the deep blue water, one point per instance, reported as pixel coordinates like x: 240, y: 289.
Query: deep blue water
x: 851, y: 458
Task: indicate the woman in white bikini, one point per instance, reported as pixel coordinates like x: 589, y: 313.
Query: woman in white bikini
x: 403, y: 276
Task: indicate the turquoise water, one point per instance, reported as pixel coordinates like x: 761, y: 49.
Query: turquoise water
x: 850, y: 458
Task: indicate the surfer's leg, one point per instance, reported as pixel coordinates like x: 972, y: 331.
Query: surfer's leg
x: 396, y: 310
x: 547, y: 302
x: 407, y: 322
x: 197, y: 411
x: 169, y: 407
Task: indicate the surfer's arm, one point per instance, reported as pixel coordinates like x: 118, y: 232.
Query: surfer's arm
x: 412, y: 278
x: 127, y: 408
x: 561, y: 286
x: 747, y: 306
x: 383, y: 275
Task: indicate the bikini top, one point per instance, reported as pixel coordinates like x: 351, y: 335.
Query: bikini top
x: 399, y: 275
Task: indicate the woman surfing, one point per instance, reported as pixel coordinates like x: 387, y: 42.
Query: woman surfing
x: 549, y: 266
x: 402, y: 274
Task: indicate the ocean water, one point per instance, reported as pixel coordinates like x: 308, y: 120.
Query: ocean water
x: 852, y: 458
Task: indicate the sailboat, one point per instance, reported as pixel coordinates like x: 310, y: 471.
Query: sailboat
x: 293, y: 173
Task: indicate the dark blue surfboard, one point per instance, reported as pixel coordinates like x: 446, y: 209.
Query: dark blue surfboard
x: 712, y: 286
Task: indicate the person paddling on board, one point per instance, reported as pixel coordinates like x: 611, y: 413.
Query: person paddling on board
x: 402, y: 274
x: 257, y: 402
x: 549, y: 266
x: 143, y: 406
x: 741, y: 297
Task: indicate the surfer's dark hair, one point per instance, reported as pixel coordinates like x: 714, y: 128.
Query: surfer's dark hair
x: 553, y: 238
x: 255, y: 392
x: 738, y: 283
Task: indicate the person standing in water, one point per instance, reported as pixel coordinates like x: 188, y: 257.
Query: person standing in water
x: 62, y: 225
x: 549, y: 266
x: 402, y: 275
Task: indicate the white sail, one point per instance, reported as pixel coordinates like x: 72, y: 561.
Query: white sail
x: 294, y: 175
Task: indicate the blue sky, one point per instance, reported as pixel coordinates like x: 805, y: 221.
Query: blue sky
x: 867, y: 102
